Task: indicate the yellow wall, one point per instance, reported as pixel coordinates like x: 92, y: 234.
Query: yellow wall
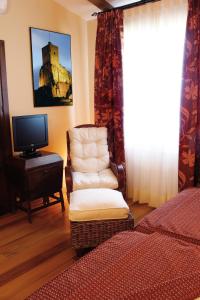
x: 14, y: 30
x: 91, y: 27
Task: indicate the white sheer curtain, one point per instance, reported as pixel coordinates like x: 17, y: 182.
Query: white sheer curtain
x: 154, y: 37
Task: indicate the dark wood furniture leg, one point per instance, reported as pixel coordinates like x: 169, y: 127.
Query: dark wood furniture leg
x: 62, y: 200
x: 45, y: 201
x: 29, y: 210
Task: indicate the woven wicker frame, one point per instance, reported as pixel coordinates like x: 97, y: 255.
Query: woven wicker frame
x: 91, y: 233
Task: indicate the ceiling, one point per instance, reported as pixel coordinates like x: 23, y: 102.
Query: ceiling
x: 85, y: 8
x: 116, y: 3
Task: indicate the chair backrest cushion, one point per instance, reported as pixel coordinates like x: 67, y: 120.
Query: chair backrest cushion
x: 89, y: 149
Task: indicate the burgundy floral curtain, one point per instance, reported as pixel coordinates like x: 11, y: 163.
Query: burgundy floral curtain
x: 109, y: 81
x: 189, y: 150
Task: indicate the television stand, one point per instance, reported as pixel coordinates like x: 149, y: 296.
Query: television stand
x: 30, y: 154
x: 36, y: 177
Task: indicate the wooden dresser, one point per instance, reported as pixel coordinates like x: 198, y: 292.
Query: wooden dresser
x: 36, y: 177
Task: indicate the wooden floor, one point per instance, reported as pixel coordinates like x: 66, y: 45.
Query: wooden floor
x: 31, y: 254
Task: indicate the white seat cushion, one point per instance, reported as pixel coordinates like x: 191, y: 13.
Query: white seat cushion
x: 97, y: 204
x: 102, y: 179
x: 89, y: 149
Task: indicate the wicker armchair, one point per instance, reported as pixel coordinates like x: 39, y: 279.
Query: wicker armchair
x: 96, y: 185
x: 115, y: 174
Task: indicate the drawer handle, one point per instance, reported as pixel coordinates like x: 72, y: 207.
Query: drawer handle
x: 45, y: 171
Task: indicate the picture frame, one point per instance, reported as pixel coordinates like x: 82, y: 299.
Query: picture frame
x: 51, y: 68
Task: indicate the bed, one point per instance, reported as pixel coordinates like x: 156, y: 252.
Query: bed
x: 159, y: 260
x: 179, y: 217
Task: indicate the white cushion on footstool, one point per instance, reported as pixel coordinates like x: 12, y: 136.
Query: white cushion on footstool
x: 97, y: 204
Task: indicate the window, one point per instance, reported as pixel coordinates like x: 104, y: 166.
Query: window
x: 153, y: 55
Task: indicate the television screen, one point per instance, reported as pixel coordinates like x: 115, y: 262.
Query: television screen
x: 30, y: 133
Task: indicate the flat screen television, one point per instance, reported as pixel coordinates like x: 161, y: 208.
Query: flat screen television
x: 30, y: 132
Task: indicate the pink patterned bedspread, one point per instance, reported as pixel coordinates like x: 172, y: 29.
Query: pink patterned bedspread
x: 131, y: 265
x: 179, y: 217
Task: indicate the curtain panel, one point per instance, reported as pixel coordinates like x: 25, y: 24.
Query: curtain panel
x: 154, y: 36
x: 108, y: 80
x: 189, y: 147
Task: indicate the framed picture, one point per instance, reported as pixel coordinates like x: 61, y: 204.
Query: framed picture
x: 51, y: 68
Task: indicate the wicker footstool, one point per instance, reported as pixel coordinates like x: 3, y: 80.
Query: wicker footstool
x: 96, y: 215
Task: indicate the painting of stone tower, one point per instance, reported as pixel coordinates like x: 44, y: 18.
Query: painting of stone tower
x: 52, y: 75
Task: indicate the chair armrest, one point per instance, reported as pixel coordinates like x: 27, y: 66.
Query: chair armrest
x: 69, y: 181
x: 119, y: 171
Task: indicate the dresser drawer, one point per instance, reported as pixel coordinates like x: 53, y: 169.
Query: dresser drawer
x: 45, y: 181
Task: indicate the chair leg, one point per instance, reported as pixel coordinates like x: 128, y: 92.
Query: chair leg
x: 68, y: 197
